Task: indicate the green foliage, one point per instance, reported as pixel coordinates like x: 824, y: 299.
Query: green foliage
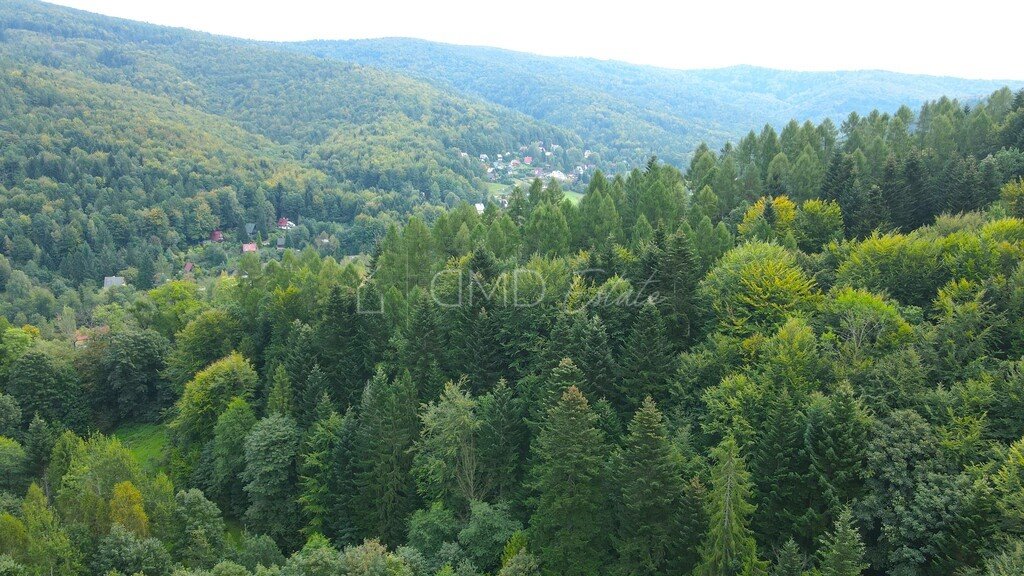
x: 489, y: 528
x: 729, y: 546
x: 207, y: 395
x: 446, y: 465
x: 126, y: 552
x: 229, y: 438
x: 755, y: 287
x: 570, y: 521
x: 13, y: 465
x: 842, y: 551
x: 270, y: 475
x: 198, y: 538
x: 385, y: 491
x: 650, y: 537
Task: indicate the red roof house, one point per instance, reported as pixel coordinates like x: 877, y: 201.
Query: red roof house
x: 216, y: 236
x: 248, y: 248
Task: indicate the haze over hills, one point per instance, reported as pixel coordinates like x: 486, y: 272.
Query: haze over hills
x: 632, y: 111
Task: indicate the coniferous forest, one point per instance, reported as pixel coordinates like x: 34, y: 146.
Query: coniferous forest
x: 799, y: 354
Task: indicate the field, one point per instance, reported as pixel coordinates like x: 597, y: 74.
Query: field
x: 147, y: 443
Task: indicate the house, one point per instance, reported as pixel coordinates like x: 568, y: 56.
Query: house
x: 110, y: 281
x: 558, y: 175
x: 285, y: 224
x: 216, y: 236
x: 528, y: 160
x: 250, y: 228
x: 514, y: 164
x: 479, y: 207
x: 248, y: 247
x: 189, y: 266
x: 280, y: 243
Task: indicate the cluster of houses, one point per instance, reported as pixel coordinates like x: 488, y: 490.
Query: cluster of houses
x: 528, y: 163
x: 283, y: 224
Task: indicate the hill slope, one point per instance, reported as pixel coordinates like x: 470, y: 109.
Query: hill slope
x: 630, y: 110
x: 360, y: 125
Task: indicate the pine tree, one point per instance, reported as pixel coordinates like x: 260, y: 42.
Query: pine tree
x: 546, y: 232
x: 585, y: 339
x: 842, y: 551
x: 311, y: 398
x: 385, y: 491
x: 519, y: 206
x: 570, y: 522
x: 39, y: 441
x: 651, y: 491
x: 729, y: 548
x: 347, y: 342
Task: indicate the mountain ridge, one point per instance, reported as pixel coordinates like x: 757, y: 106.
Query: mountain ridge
x: 669, y: 111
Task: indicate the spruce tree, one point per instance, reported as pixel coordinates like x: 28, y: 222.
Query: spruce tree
x: 729, y: 548
x: 842, y: 551
x: 836, y: 440
x: 385, y: 491
x: 779, y: 466
x: 649, y: 363
x: 570, y: 524
x: 651, y: 492
x: 325, y: 477
x: 790, y: 561
x: 502, y: 441
x: 677, y: 278
x: 280, y: 400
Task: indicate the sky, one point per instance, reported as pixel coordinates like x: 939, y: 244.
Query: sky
x: 979, y: 39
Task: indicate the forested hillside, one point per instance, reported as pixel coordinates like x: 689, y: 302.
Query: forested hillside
x: 125, y: 145
x: 628, y: 112
x: 802, y: 355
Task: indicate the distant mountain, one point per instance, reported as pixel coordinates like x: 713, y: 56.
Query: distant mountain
x: 364, y: 127
x: 631, y: 111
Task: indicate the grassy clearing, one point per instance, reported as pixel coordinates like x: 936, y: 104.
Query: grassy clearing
x: 573, y: 197
x: 146, y: 441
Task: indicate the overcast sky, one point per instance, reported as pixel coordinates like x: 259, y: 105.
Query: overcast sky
x: 979, y: 39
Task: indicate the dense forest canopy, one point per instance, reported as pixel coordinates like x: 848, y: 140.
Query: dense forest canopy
x: 126, y: 144
x: 802, y: 354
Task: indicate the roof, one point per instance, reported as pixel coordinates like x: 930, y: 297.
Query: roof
x: 280, y: 241
x: 479, y: 208
x: 189, y: 266
x: 217, y: 236
x: 109, y: 281
x: 250, y: 228
x: 249, y: 247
